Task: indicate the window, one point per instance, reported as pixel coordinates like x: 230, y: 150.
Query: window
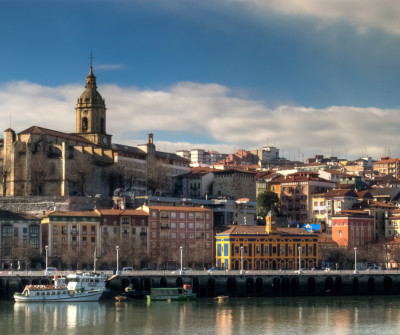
x: 199, y: 216
x: 125, y: 220
x: 154, y: 224
x: 64, y: 230
x: 191, y: 225
x: 173, y: 235
x: 182, y: 225
x: 181, y: 215
x: 93, y: 230
x: 173, y: 224
x: 182, y: 235
x: 173, y: 215
x: 191, y: 235
x: 191, y: 215
x: 84, y: 240
x: 340, y: 233
x: 154, y: 214
x: 15, y: 231
x: 115, y: 230
x: 84, y: 231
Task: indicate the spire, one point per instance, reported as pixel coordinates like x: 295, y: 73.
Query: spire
x: 91, y: 78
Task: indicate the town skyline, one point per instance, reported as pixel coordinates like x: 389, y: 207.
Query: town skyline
x: 223, y: 75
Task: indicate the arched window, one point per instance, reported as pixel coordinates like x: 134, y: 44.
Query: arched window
x: 84, y: 124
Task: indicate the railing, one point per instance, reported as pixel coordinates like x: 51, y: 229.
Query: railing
x: 308, y: 273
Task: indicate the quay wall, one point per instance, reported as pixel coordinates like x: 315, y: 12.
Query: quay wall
x: 235, y: 285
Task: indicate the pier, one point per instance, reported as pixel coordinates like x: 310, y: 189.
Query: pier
x: 232, y: 283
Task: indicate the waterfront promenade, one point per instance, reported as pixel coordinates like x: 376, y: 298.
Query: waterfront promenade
x: 252, y: 283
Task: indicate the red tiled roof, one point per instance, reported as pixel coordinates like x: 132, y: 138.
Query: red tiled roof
x: 340, y: 193
x: 179, y: 208
x: 50, y: 132
x: 260, y: 230
x: 74, y: 213
x: 119, y: 212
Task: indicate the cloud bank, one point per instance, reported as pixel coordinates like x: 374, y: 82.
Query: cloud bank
x: 364, y: 14
x: 210, y: 116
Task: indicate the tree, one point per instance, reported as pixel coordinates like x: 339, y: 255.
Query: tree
x: 5, y: 172
x: 157, y: 175
x: 82, y: 169
x: 267, y: 201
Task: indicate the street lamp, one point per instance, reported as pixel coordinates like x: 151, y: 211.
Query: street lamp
x: 181, y: 248
x: 117, y: 247
x: 355, y: 261
x: 47, y: 248
x: 241, y: 260
x: 300, y: 272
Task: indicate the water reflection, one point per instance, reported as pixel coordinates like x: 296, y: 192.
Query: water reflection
x: 311, y: 316
x: 46, y: 317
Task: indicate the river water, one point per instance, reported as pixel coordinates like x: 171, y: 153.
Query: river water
x: 305, y: 315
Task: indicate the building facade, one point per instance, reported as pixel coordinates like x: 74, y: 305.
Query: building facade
x: 295, y: 194
x: 234, y: 184
x: 72, y: 238
x: 126, y: 230
x: 266, y: 248
x: 20, y: 243
x: 353, y: 229
x: 171, y: 228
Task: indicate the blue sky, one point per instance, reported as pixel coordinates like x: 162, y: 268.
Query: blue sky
x: 308, y: 76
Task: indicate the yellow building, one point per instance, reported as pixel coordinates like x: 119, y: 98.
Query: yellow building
x: 266, y: 248
x: 71, y: 237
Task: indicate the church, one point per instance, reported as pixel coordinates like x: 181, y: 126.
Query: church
x: 45, y: 162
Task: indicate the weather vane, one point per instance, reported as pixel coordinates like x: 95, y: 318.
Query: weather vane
x: 91, y: 60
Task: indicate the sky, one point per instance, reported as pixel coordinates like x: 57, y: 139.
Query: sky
x: 306, y: 76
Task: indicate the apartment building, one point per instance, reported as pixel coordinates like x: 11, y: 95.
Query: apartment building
x: 175, y: 229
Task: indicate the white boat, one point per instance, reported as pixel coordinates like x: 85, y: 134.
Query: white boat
x: 80, y: 287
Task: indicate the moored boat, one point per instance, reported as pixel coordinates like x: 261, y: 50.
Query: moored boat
x: 80, y: 287
x: 171, y: 294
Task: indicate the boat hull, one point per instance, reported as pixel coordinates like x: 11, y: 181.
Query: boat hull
x: 85, y: 296
x: 184, y: 297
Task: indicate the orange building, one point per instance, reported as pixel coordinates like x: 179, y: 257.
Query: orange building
x: 353, y: 228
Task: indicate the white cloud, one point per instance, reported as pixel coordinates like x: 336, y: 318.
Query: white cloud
x: 198, y: 114
x: 382, y: 14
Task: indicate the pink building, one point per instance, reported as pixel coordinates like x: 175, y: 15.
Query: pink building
x: 353, y: 229
x: 173, y: 227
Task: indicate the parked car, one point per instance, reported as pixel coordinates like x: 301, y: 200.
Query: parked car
x: 128, y: 268
x: 211, y: 270
x: 50, y: 271
x: 184, y: 270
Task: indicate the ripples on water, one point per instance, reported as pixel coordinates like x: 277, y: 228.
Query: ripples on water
x: 319, y: 315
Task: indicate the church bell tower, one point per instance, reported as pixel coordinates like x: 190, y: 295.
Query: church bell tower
x: 91, y: 114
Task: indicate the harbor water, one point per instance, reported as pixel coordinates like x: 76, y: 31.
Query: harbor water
x: 303, y: 315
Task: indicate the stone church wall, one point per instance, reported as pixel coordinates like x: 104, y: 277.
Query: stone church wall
x: 39, y: 205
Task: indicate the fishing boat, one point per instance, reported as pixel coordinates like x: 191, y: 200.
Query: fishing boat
x: 171, y: 294
x: 75, y: 287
